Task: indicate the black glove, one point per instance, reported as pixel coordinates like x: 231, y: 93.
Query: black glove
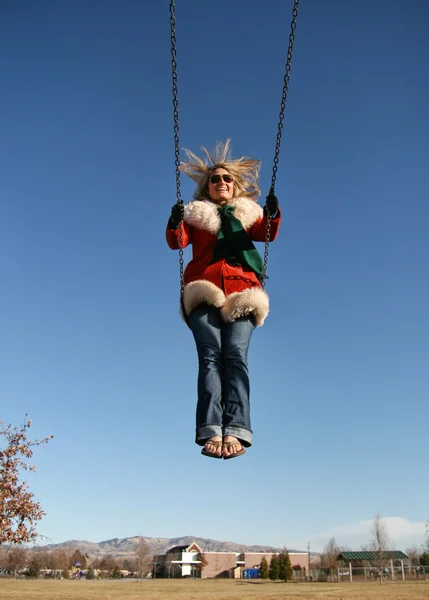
x: 271, y: 204
x: 176, y: 217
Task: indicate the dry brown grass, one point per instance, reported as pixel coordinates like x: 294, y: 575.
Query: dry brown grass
x: 165, y: 589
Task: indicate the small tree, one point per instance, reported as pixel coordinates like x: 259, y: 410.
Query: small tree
x: 18, y: 510
x: 203, y: 564
x: 144, y: 558
x: 274, y: 567
x: 413, y: 555
x: 77, y: 559
x: 90, y: 573
x: 3, y: 558
x: 157, y: 564
x: 168, y: 566
x: 424, y: 559
x: 16, y: 559
x: 108, y: 562
x: 61, y: 559
x: 328, y: 557
x: 130, y: 564
x: 380, y: 543
x: 116, y: 573
x: 426, y: 544
x: 43, y: 557
x: 33, y: 569
x: 285, y: 566
x: 264, y: 570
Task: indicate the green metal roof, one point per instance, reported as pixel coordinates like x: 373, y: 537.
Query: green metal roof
x: 385, y: 555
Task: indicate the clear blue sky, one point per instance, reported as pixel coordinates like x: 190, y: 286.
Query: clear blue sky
x: 91, y: 343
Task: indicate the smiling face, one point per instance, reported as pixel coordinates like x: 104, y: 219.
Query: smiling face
x: 221, y: 189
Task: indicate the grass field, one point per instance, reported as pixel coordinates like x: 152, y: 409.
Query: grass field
x: 165, y: 589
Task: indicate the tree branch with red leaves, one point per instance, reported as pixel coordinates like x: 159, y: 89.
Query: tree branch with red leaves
x: 19, y: 512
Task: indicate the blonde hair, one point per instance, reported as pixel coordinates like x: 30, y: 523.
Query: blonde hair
x: 244, y: 170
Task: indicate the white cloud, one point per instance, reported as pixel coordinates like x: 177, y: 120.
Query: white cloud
x: 402, y: 532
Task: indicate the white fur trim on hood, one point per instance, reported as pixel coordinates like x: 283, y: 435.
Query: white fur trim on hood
x: 203, y: 214
x: 238, y: 304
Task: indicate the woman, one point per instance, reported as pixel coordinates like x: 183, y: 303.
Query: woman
x: 223, y: 297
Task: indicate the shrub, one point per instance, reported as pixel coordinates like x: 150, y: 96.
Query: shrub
x: 116, y: 573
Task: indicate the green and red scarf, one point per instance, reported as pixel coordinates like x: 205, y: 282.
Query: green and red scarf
x: 234, y: 244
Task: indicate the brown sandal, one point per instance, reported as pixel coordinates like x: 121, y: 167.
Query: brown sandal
x: 228, y: 445
x: 217, y: 444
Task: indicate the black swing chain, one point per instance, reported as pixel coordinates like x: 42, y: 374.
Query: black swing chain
x: 176, y: 137
x: 264, y: 276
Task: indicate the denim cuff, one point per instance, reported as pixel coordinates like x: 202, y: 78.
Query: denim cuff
x: 202, y: 434
x: 244, y: 435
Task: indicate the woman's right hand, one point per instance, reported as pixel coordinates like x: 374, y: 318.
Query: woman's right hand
x: 177, y: 214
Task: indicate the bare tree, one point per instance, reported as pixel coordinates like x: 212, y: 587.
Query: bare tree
x: 16, y: 559
x: 144, y: 558
x: 61, y: 559
x: 414, y: 556
x: 380, y: 543
x: 328, y: 557
x: 18, y: 510
x: 43, y: 557
x: 51, y: 562
x: 157, y: 564
x: 130, y: 564
x: 169, y: 565
x: 424, y: 557
x: 108, y: 563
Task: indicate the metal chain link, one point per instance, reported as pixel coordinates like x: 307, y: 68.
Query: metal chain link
x: 176, y: 138
x: 279, y: 134
x: 264, y: 276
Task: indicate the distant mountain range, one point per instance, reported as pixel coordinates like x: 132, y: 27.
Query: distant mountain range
x: 127, y: 546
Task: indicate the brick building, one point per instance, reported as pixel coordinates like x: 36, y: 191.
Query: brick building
x: 186, y: 561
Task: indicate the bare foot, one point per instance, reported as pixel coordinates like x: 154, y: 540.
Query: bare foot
x: 213, y: 447
x: 232, y: 447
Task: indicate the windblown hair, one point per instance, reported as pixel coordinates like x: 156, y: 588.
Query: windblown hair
x: 245, y: 171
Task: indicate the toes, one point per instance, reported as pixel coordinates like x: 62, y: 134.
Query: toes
x: 211, y: 447
x: 231, y: 446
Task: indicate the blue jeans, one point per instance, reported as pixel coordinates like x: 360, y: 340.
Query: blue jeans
x: 223, y: 406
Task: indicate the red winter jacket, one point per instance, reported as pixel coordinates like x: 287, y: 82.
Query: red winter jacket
x: 234, y: 289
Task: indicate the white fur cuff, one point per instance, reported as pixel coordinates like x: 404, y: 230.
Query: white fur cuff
x: 252, y: 301
x: 239, y: 304
x: 200, y: 292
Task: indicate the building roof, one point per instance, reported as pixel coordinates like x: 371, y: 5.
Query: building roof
x: 177, y: 549
x: 186, y: 548
x: 363, y: 555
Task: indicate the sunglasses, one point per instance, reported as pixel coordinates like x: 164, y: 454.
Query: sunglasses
x: 225, y: 178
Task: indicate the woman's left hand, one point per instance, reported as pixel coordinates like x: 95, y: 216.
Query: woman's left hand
x: 271, y: 204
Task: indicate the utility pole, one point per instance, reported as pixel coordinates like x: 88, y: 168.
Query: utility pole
x: 309, y: 555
